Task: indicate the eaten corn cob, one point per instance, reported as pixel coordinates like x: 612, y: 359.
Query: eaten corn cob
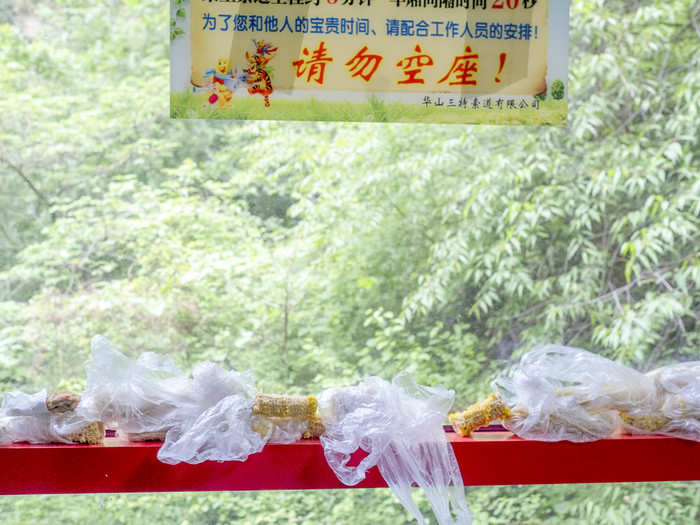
x: 91, y: 434
x: 271, y: 405
x: 493, y: 408
x: 480, y: 414
x: 158, y: 435
x: 63, y: 402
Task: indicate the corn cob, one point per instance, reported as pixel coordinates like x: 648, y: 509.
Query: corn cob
x: 271, y: 405
x: 63, y: 401
x: 315, y: 428
x: 91, y: 434
x: 479, y: 414
x: 261, y: 425
x: 158, y: 435
x: 264, y: 425
x: 645, y: 422
x: 274, y: 410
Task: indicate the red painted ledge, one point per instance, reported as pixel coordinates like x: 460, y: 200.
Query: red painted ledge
x: 493, y: 458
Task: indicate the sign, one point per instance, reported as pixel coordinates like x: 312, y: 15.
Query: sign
x: 441, y: 61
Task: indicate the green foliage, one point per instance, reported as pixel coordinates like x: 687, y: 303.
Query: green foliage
x: 608, y: 504
x: 557, y: 90
x: 319, y: 253
x: 178, y: 13
x: 620, y: 504
x: 340, y: 507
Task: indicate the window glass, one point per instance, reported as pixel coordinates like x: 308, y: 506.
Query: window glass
x: 317, y: 254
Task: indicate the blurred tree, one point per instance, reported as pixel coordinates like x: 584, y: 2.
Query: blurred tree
x: 317, y: 253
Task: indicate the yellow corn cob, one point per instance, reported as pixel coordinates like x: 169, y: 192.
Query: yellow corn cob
x: 479, y: 414
x: 271, y: 405
x: 315, y: 427
x: 648, y: 423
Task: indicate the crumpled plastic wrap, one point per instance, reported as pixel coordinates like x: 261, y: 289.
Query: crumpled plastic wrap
x: 139, y: 396
x: 215, y: 421
x: 222, y: 432
x: 563, y: 393
x: 676, y: 411
x: 208, y: 416
x: 26, y: 418
x: 399, y: 425
x: 680, y: 385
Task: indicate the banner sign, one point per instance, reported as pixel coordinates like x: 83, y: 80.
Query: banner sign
x: 442, y: 61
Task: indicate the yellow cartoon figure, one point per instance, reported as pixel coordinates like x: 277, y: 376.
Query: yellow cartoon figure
x: 225, y: 96
x: 221, y: 84
x: 223, y: 66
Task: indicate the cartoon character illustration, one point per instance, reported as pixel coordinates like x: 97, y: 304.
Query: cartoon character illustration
x: 222, y: 83
x: 223, y: 67
x: 257, y: 74
x: 224, y: 96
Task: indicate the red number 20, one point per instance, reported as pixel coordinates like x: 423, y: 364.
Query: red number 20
x: 512, y: 4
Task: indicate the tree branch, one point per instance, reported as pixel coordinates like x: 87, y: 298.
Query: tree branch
x: 26, y: 179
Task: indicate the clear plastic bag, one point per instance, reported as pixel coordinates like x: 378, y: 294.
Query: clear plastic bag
x: 206, y: 417
x: 216, y: 422
x: 21, y: 404
x: 677, y: 411
x: 139, y: 396
x: 399, y: 425
x: 220, y: 433
x: 562, y: 393
x: 26, y: 418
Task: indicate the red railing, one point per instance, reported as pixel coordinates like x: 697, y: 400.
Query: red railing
x: 492, y: 458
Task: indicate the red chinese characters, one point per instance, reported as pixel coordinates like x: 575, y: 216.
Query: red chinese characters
x: 364, y: 64
x: 413, y: 65
x: 462, y: 69
x: 314, y: 65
